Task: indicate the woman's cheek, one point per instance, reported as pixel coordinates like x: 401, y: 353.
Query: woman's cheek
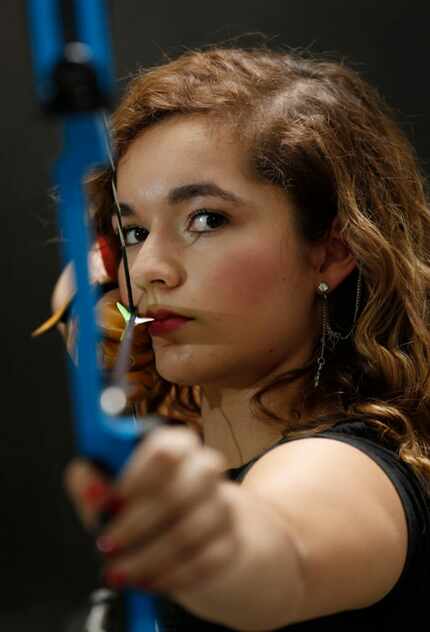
x: 244, y: 279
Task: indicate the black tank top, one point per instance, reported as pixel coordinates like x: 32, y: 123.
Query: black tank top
x: 405, y: 605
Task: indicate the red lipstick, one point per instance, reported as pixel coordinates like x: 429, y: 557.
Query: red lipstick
x: 165, y: 321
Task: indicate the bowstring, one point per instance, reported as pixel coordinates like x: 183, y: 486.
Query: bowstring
x: 114, y: 397
x: 118, y: 215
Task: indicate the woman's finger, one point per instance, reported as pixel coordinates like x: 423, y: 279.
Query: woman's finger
x: 148, y: 517
x: 156, y: 460
x: 89, y: 490
x: 181, y: 545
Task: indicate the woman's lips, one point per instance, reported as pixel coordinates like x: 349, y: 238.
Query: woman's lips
x: 166, y: 325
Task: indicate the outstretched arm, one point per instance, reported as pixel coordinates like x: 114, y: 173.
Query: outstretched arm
x: 316, y: 528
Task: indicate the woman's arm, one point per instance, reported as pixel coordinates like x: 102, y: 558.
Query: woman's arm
x: 316, y: 528
x: 323, y: 530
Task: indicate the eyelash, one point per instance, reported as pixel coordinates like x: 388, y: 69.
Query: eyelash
x: 128, y: 229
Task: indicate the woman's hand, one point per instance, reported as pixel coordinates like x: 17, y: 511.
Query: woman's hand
x: 175, y: 522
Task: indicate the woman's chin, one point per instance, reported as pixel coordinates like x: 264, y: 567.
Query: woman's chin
x: 187, y: 376
x: 180, y: 376
x: 187, y: 366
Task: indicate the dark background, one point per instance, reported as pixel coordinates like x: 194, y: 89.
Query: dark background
x: 46, y: 561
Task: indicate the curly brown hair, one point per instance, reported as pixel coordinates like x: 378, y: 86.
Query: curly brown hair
x: 316, y: 129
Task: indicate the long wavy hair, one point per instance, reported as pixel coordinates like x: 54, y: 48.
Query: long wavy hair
x: 317, y: 130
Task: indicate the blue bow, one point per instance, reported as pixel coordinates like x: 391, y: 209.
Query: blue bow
x: 73, y: 70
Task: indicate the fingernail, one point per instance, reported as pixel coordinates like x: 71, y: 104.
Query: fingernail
x: 106, y: 545
x: 115, y: 578
x: 96, y: 493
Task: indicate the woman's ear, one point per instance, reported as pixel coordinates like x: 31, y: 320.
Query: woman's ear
x: 333, y: 260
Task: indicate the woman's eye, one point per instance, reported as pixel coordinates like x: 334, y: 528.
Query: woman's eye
x: 200, y: 222
x: 134, y: 235
x: 207, y: 221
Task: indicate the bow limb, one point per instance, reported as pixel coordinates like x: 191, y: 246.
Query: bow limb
x: 73, y: 75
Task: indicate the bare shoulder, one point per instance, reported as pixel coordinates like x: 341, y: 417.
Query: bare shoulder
x: 338, y: 461
x: 344, y: 515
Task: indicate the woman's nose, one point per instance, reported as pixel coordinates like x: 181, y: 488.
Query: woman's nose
x: 156, y: 263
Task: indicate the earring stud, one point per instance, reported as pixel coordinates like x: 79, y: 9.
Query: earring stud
x: 322, y: 288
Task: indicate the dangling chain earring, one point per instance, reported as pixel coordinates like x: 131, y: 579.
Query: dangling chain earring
x: 328, y: 334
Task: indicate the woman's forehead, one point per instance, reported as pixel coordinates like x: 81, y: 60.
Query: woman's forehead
x: 187, y: 142
x: 190, y: 156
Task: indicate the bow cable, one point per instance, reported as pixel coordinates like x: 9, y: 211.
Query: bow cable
x: 113, y: 398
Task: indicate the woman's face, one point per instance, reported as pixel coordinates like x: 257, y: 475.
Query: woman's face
x: 208, y: 240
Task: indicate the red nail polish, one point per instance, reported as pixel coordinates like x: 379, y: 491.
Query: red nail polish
x: 116, y: 579
x: 96, y: 493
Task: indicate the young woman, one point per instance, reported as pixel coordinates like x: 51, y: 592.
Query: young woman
x: 275, y: 211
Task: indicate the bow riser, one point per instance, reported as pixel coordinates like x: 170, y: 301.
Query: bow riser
x: 101, y: 438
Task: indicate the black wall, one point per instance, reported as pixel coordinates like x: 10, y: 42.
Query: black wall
x: 46, y: 561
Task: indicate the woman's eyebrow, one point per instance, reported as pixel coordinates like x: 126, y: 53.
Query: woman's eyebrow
x: 187, y: 192
x: 200, y: 189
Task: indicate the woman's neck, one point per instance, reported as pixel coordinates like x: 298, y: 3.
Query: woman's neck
x: 229, y: 426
